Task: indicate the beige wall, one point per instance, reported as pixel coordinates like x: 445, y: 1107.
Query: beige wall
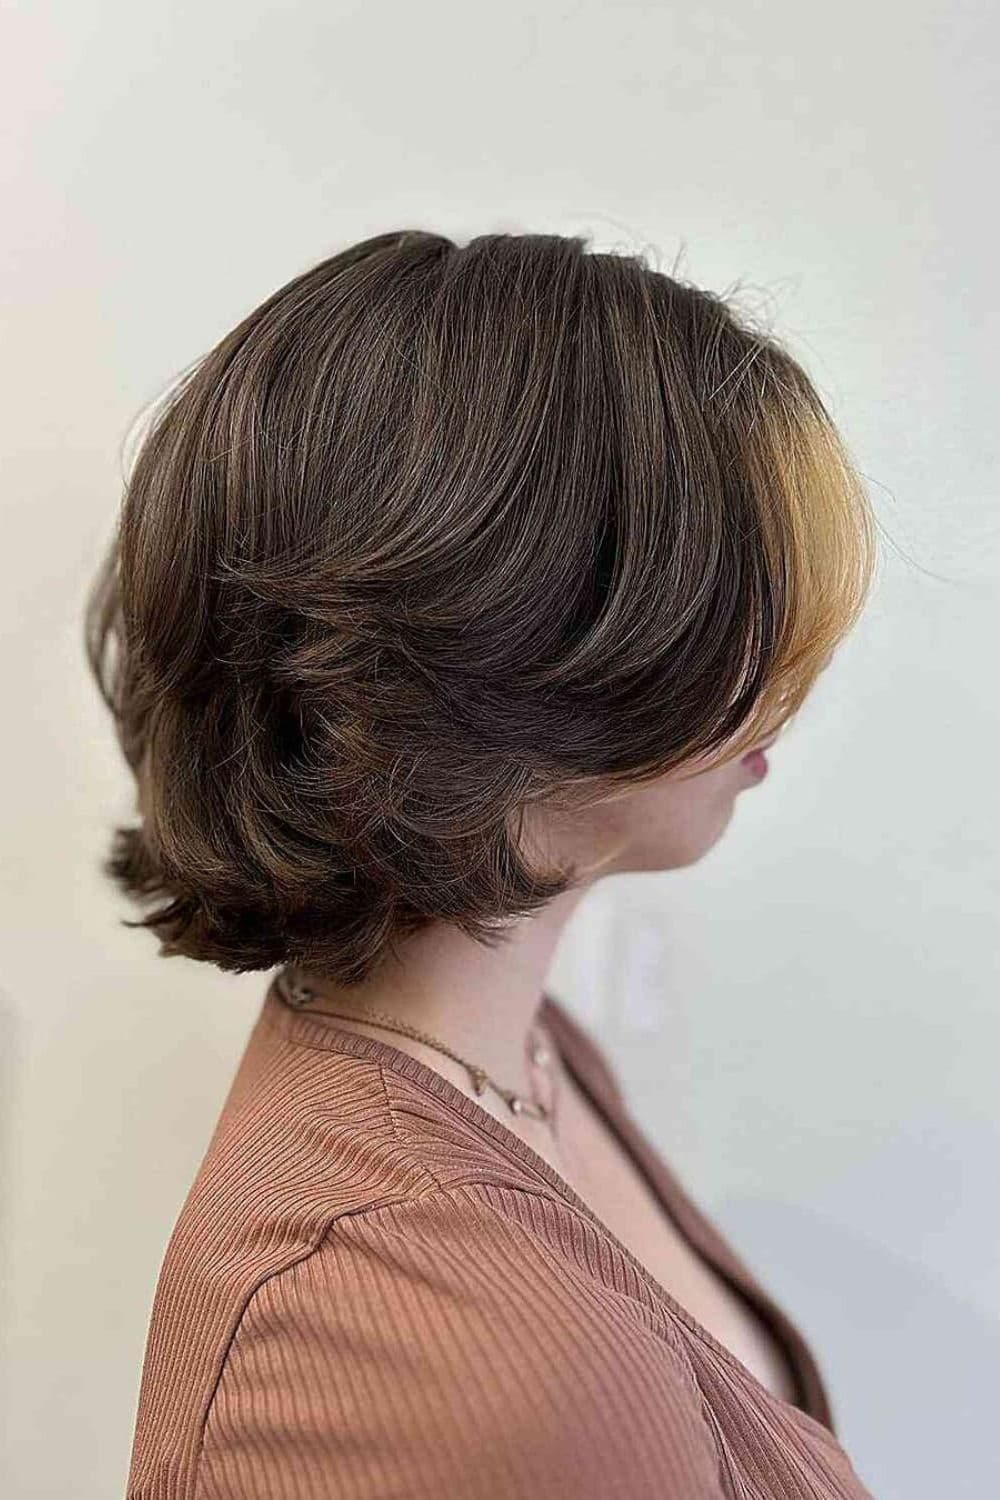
x: 808, y: 1021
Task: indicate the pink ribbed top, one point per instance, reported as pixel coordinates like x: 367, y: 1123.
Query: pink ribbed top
x: 376, y: 1291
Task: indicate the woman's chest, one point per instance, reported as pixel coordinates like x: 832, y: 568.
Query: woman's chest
x: 610, y: 1183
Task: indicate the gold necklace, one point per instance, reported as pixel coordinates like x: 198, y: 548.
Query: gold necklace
x: 297, y: 994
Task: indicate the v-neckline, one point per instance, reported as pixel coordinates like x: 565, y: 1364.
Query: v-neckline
x: 299, y: 1026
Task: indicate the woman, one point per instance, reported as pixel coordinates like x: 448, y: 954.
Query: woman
x: 453, y: 579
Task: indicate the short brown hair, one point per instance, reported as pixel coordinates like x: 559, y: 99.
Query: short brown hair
x: 437, y: 532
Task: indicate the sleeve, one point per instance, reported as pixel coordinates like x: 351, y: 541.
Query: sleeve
x: 443, y: 1346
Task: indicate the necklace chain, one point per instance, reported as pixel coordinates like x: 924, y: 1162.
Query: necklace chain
x: 301, y: 996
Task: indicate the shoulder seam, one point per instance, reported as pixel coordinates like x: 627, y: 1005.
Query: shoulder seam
x: 396, y: 1130
x: 224, y: 1358
x: 288, y: 1265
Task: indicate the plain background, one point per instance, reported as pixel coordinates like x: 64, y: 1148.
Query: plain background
x: 806, y: 1021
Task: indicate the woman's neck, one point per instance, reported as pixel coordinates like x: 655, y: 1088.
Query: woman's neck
x: 480, y: 1002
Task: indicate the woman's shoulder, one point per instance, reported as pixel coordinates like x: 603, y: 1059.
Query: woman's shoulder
x: 316, y: 1128
x: 307, y: 1137
x: 331, y: 1258
x: 434, y: 1343
x: 315, y: 1131
x: 303, y: 1137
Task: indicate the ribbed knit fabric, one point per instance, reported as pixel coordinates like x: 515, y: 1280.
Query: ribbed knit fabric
x: 376, y: 1291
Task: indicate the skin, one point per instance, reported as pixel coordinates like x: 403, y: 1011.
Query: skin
x: 482, y: 1002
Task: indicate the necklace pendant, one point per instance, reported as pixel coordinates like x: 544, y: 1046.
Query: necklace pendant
x: 478, y: 1079
x: 519, y: 1106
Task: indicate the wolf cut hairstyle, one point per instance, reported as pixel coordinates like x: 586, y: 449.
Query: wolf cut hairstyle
x: 436, y: 534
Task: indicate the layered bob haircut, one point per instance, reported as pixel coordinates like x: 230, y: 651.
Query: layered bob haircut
x: 438, y: 533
